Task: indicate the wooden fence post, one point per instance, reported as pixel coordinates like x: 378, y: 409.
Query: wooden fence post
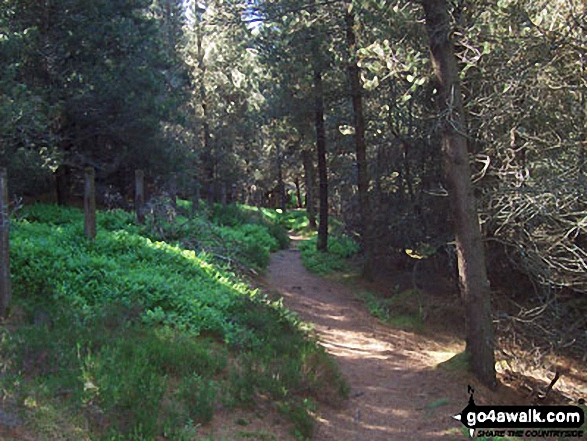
x: 211, y: 193
x: 90, y: 203
x: 223, y: 194
x: 233, y: 194
x: 173, y: 190
x: 5, y: 281
x: 140, y: 196
x: 196, y: 198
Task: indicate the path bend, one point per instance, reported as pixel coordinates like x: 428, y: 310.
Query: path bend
x: 396, y: 392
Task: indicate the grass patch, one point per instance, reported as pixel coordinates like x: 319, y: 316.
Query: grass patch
x: 295, y: 220
x: 260, y: 435
x: 430, y: 407
x: 458, y: 363
x: 340, y: 249
x: 403, y: 310
x: 145, y: 331
x: 292, y: 220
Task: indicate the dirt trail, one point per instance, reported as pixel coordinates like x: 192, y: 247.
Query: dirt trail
x: 396, y: 394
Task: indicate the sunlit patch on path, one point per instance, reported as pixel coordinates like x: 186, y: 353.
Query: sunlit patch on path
x: 396, y: 392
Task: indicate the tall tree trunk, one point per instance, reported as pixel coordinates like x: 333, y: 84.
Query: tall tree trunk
x: 172, y: 186
x: 280, y: 183
x: 408, y: 174
x: 309, y: 182
x: 360, y: 146
x: 207, y: 154
x: 196, y: 198
x: 90, y: 203
x: 233, y: 194
x: 581, y: 160
x: 471, y: 259
x: 140, y: 196
x: 298, y: 192
x: 322, y: 243
x: 223, y: 194
x: 169, y: 26
x: 211, y: 195
x: 5, y: 280
x: 62, y: 182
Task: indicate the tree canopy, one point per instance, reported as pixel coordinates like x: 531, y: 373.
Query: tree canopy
x: 253, y: 95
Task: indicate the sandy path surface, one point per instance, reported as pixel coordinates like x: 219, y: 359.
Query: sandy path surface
x: 396, y: 393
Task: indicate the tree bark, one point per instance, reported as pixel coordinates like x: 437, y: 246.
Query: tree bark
x: 173, y: 190
x: 298, y: 192
x: 140, y: 196
x: 309, y: 183
x: 196, y: 198
x: 90, y: 203
x: 211, y: 195
x: 322, y: 244
x: 280, y: 183
x: 62, y: 184
x: 581, y: 160
x: 207, y: 154
x: 223, y: 194
x: 360, y: 146
x: 5, y: 280
x: 470, y: 254
x: 233, y: 194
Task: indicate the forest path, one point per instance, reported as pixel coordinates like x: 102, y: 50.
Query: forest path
x: 396, y: 394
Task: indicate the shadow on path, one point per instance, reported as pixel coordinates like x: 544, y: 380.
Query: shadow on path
x: 396, y: 392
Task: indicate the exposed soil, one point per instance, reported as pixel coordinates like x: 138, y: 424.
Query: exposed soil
x: 397, y: 391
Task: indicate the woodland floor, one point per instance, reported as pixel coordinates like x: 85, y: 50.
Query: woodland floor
x: 397, y: 393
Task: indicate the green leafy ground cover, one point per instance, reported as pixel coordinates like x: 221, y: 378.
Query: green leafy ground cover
x: 291, y: 220
x: 340, y: 249
x: 147, y: 330
x: 403, y: 310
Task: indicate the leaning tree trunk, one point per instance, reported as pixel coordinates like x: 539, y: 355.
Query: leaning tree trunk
x: 470, y: 254
x: 322, y: 243
x: 360, y: 146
